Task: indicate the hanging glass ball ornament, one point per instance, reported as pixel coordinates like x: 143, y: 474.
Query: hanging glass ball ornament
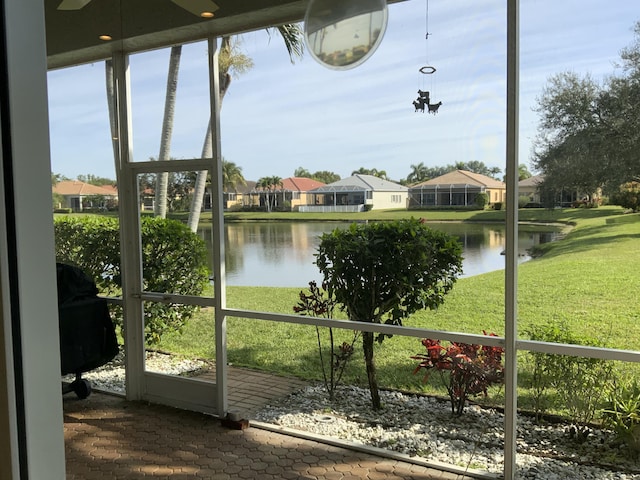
x: 342, y: 34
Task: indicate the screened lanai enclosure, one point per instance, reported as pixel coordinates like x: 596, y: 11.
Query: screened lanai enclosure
x: 120, y: 47
x: 445, y: 195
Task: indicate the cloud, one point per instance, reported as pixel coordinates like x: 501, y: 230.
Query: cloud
x: 280, y: 116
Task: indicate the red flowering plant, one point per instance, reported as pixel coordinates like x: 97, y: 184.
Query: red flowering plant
x: 465, y: 369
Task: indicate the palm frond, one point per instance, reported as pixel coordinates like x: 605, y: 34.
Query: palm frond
x: 292, y: 36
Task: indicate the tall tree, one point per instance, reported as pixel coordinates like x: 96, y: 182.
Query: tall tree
x: 323, y: 176
x: 162, y: 179
x: 232, y: 61
x: 231, y: 176
x: 568, y: 146
x: 302, y: 173
x: 179, y: 190
x: 523, y: 172
x: 96, y: 180
x: 479, y: 167
x: 269, y: 186
x: 419, y: 173
x: 371, y: 171
x: 326, y: 176
x: 57, y: 178
x: 589, y: 132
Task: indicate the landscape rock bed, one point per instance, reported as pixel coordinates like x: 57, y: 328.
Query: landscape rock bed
x: 420, y: 426
x: 423, y: 426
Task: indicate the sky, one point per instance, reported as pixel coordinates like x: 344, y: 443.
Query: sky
x: 280, y: 116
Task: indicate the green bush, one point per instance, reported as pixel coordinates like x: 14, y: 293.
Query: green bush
x: 523, y: 200
x: 383, y: 272
x: 482, y: 200
x: 628, y: 196
x: 579, y: 383
x: 173, y: 258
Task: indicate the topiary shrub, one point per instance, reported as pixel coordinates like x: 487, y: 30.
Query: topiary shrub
x: 384, y: 272
x: 174, y: 261
x: 482, y: 200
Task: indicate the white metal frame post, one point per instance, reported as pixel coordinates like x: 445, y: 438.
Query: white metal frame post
x: 130, y: 249
x: 511, y: 265
x: 217, y: 219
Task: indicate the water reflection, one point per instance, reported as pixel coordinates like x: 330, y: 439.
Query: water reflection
x: 281, y: 254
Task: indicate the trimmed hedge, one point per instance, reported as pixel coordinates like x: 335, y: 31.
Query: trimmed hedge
x: 174, y: 260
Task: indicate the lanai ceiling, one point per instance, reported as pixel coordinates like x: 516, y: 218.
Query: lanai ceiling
x: 73, y: 36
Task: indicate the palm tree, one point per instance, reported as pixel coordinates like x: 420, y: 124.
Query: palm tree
x: 162, y: 179
x: 269, y: 185
x: 419, y: 173
x: 302, y: 173
x: 232, y: 60
x: 371, y: 171
x: 523, y: 172
x: 326, y: 176
x: 231, y: 176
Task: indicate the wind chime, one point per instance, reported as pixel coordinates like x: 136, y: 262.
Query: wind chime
x: 424, y: 99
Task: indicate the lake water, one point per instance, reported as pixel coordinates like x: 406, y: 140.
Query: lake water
x: 281, y: 254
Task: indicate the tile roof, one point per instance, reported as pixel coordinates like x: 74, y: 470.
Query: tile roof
x: 363, y: 182
x: 76, y: 187
x: 463, y: 177
x: 300, y: 184
x: 531, y: 181
x: 246, y: 188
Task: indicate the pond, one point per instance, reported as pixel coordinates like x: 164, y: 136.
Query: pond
x: 281, y: 254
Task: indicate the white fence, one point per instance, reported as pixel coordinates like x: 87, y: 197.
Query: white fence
x: 331, y: 208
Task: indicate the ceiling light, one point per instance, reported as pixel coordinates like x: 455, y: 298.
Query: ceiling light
x: 106, y: 38
x: 206, y: 14
x: 197, y: 7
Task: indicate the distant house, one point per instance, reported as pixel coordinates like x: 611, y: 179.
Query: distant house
x: 236, y: 199
x: 564, y: 197
x: 80, y: 196
x: 290, y: 195
x: 458, y: 188
x: 357, y: 193
x: 530, y: 187
x: 147, y: 199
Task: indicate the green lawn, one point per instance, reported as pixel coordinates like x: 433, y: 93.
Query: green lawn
x: 588, y: 280
x: 486, y: 216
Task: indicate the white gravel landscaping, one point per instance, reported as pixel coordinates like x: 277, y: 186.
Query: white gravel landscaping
x: 421, y: 427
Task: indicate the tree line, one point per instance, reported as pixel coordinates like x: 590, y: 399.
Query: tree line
x: 179, y: 187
